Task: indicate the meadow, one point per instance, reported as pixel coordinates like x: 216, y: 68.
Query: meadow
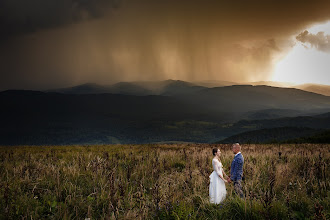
x: 161, y: 181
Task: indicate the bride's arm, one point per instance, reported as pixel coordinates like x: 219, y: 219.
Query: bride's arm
x: 224, y: 174
x: 216, y: 166
x: 223, y: 179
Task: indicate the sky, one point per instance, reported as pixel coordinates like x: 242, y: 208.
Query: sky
x: 46, y: 44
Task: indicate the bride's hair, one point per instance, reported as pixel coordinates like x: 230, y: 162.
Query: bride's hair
x: 214, y: 151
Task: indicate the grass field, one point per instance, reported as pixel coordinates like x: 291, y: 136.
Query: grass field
x: 161, y: 182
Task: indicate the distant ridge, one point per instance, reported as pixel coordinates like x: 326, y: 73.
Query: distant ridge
x: 270, y: 135
x: 173, y: 87
x: 238, y: 99
x: 294, y: 135
x: 166, y: 87
x: 92, y: 88
x: 272, y: 113
x: 272, y: 83
x: 215, y: 83
x: 316, y: 88
x: 322, y: 137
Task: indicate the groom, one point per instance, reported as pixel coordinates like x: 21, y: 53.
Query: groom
x: 236, y: 170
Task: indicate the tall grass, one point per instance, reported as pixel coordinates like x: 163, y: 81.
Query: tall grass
x: 161, y: 182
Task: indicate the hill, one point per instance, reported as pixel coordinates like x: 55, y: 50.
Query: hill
x: 238, y: 99
x: 138, y: 88
x: 244, y: 98
x: 316, y: 88
x: 271, y: 83
x: 215, y: 83
x: 270, y: 135
x: 165, y: 86
x: 124, y: 88
x: 32, y: 117
x: 319, y: 138
x: 271, y: 114
x: 190, y: 114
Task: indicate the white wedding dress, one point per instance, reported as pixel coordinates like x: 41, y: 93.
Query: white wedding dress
x: 217, y: 190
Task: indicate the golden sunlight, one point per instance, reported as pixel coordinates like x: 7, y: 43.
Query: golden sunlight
x: 305, y: 63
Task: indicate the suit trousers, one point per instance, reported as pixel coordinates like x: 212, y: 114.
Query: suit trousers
x: 238, y: 188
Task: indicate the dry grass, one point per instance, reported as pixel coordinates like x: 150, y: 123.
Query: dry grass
x: 161, y: 181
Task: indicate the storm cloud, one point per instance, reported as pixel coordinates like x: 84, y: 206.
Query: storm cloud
x: 49, y: 44
x: 20, y: 16
x: 320, y: 41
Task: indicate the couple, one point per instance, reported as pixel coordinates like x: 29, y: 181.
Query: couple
x: 218, y: 178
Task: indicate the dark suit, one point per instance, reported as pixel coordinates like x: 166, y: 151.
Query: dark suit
x: 236, y: 173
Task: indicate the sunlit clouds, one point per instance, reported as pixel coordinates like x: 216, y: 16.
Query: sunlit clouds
x: 309, y: 59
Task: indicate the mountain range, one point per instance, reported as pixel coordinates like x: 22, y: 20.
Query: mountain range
x: 167, y: 86
x: 158, y: 111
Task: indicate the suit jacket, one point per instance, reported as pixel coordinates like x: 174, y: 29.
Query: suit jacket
x: 236, y: 169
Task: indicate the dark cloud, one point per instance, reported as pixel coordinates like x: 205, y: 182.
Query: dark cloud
x: 71, y: 42
x: 20, y: 16
x: 320, y: 41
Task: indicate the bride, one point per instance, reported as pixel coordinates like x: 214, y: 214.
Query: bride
x: 217, y: 190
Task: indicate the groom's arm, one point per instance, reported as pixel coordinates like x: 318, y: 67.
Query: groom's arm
x: 233, y: 171
x: 239, y: 168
